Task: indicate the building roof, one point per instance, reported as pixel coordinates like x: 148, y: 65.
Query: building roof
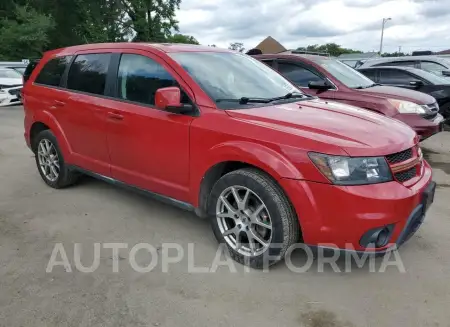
x: 270, y: 45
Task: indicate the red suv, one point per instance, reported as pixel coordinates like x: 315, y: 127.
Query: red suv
x: 331, y: 79
x: 219, y: 133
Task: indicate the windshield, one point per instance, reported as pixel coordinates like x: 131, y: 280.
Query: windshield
x: 435, y: 79
x: 228, y: 75
x: 9, y: 73
x: 21, y: 70
x: 345, y: 74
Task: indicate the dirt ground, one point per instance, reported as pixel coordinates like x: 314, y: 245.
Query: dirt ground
x: 34, y: 217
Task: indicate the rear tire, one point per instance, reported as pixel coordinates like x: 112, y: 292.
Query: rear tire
x: 50, y: 161
x: 251, y: 215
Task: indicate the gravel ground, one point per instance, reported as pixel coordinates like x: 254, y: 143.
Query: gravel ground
x: 34, y: 217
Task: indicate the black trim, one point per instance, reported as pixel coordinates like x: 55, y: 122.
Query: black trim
x: 63, y: 81
x: 162, y: 198
x: 111, y: 77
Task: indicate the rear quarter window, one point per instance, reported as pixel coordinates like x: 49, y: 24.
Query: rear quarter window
x: 29, y: 69
x: 53, y: 71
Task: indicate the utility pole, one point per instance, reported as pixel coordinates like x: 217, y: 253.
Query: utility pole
x: 382, y: 34
x: 399, y: 49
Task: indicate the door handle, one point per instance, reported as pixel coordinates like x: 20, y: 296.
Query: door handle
x: 115, y: 116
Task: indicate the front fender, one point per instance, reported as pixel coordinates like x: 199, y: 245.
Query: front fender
x: 258, y: 155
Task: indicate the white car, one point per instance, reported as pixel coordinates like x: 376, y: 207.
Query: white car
x: 10, y: 86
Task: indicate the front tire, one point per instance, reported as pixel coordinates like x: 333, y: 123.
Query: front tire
x: 251, y: 215
x: 50, y: 161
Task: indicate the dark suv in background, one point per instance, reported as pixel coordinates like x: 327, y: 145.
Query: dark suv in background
x: 413, y: 79
x: 433, y: 64
x: 331, y: 79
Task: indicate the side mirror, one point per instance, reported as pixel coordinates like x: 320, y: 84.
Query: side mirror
x: 319, y: 85
x: 169, y: 99
x: 446, y: 72
x: 416, y: 83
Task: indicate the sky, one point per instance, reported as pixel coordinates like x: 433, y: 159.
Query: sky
x: 356, y: 24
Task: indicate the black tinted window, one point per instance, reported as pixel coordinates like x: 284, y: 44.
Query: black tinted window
x: 31, y: 66
x: 299, y: 75
x: 88, y: 73
x: 369, y: 74
x: 398, y: 63
x: 393, y: 76
x: 139, y: 77
x: 52, y: 71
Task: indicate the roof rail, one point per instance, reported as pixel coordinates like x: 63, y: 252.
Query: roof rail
x: 324, y: 54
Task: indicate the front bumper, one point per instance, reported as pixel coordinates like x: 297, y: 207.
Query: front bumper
x: 423, y: 127
x: 9, y: 96
x: 337, y: 217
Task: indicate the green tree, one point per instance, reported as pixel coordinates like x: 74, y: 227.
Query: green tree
x: 181, y: 38
x: 236, y: 46
x: 25, y: 34
x: 151, y: 20
x: 331, y: 48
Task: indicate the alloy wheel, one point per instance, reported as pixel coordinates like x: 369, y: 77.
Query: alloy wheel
x: 244, y: 221
x: 48, y: 160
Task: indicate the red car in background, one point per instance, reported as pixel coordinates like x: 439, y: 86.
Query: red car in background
x: 219, y: 133
x: 330, y: 79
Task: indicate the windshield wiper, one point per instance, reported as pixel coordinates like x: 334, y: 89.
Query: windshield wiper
x: 367, y: 86
x: 245, y: 100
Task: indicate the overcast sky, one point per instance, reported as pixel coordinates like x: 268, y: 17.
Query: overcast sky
x: 415, y: 24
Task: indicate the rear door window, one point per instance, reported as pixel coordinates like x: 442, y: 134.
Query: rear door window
x: 52, y: 71
x: 370, y: 73
x: 88, y: 73
x: 297, y: 74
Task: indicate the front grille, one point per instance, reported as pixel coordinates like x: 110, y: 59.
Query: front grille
x: 406, y: 175
x: 399, y: 156
x: 432, y: 111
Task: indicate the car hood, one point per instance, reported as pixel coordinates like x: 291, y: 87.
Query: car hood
x: 400, y: 94
x: 356, y: 131
x: 10, y: 81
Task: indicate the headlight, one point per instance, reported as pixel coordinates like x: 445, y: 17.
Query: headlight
x: 352, y: 171
x: 406, y: 107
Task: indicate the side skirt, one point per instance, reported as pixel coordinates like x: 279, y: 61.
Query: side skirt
x: 162, y: 198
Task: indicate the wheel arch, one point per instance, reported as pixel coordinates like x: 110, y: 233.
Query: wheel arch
x: 44, y: 121
x: 238, y: 155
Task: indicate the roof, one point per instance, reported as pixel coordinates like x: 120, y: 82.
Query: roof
x: 289, y: 55
x: 390, y: 67
x: 375, y: 61
x: 270, y: 45
x: 164, y: 47
x: 365, y: 55
x: 443, y: 52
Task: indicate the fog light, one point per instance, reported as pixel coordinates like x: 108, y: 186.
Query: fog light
x: 377, y: 237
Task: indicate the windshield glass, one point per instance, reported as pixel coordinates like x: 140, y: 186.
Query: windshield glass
x: 9, y: 73
x: 228, y: 75
x: 437, y: 80
x: 20, y: 70
x: 345, y: 74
